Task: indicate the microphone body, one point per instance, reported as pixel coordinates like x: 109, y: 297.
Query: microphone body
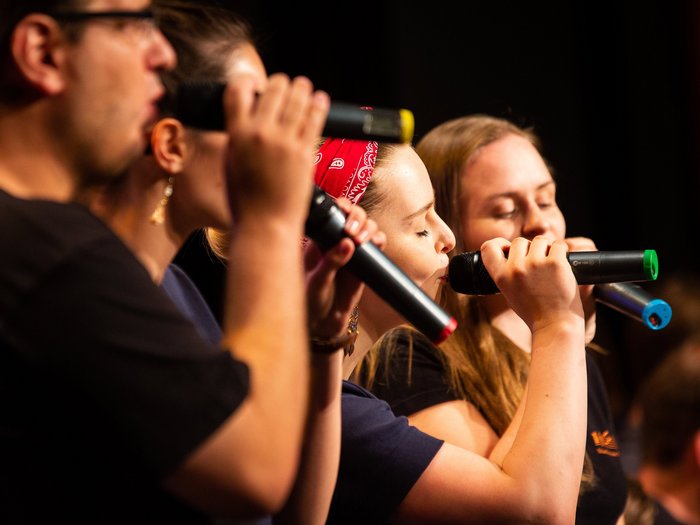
x: 468, y: 275
x: 635, y: 302
x: 325, y: 226
x: 200, y: 105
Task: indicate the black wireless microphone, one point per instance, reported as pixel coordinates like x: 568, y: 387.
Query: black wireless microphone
x: 635, y: 302
x: 325, y: 225
x: 200, y: 105
x: 468, y: 275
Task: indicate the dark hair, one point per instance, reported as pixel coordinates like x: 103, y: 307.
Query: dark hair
x: 670, y: 406
x: 11, y: 12
x: 203, y: 37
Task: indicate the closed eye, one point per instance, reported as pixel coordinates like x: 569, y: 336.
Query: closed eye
x: 506, y: 215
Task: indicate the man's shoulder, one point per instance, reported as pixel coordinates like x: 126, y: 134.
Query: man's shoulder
x: 50, y: 231
x: 42, y: 240
x: 52, y: 219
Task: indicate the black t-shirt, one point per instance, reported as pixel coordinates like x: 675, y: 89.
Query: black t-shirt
x: 417, y: 379
x: 381, y: 458
x: 104, y: 386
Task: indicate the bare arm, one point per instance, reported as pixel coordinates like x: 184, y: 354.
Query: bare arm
x: 332, y: 294
x: 313, y: 489
x: 248, y: 466
x: 458, y: 422
x: 540, y: 475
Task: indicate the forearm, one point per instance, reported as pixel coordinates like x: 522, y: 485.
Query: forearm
x: 547, y: 454
x: 265, y: 326
x: 313, y: 489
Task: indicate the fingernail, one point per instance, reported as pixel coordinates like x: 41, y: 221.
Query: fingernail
x: 322, y: 99
x: 353, y: 227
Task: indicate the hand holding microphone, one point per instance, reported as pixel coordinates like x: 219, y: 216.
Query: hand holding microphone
x: 468, y: 275
x: 325, y: 225
x: 611, y: 271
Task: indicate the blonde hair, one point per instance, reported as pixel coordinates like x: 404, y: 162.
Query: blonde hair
x: 218, y: 241
x: 484, y: 366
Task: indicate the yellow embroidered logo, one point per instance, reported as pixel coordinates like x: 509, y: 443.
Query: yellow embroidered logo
x: 605, y: 443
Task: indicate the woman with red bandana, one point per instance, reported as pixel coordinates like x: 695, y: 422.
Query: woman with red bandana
x: 391, y: 471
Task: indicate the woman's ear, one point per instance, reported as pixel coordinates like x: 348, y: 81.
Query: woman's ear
x: 38, y: 48
x: 168, y: 144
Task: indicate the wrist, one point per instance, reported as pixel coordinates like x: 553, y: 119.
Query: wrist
x: 330, y: 345
x: 562, y: 329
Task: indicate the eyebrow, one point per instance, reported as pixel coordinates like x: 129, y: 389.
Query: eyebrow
x: 421, y: 211
x: 513, y: 193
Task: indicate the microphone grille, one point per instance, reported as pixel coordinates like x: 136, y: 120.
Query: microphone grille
x: 467, y: 274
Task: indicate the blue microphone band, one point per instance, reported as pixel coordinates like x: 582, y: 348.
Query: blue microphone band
x: 635, y: 302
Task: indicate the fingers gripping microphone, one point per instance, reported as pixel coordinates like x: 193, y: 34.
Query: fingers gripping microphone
x: 325, y: 226
x: 635, y: 302
x: 468, y: 275
x: 200, y: 105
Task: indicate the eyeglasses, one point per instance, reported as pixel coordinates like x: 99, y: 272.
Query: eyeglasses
x: 145, y: 18
x: 78, y: 16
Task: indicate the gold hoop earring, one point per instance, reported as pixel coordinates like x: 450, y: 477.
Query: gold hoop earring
x: 158, y: 215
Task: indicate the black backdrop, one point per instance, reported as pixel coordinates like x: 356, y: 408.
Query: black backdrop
x: 611, y: 88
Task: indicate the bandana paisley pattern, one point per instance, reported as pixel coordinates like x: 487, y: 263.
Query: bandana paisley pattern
x: 344, y: 167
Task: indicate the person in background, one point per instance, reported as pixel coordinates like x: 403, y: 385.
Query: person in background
x: 669, y: 404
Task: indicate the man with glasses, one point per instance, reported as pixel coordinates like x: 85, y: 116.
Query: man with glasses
x: 112, y: 409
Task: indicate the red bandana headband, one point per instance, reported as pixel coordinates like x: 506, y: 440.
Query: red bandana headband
x: 344, y: 167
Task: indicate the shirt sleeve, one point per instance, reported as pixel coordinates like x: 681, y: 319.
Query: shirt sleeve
x: 414, y: 376
x: 382, y: 457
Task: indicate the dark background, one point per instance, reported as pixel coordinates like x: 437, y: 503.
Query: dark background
x: 612, y: 88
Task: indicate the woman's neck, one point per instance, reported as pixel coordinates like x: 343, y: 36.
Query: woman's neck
x: 507, y: 321
x: 154, y: 245
x: 375, y: 319
x: 127, y: 211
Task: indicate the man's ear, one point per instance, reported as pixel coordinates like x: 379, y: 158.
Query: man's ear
x: 38, y: 47
x: 696, y: 448
x: 168, y: 144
